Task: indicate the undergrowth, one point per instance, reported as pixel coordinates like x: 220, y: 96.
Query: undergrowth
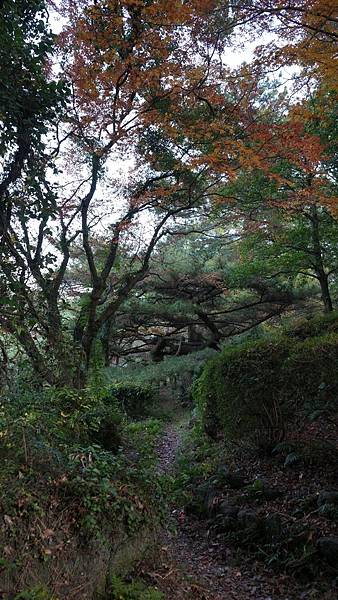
x: 60, y: 479
x: 196, y: 461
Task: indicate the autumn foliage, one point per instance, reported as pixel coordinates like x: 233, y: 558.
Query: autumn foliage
x: 131, y: 62
x: 144, y: 85
x: 306, y: 30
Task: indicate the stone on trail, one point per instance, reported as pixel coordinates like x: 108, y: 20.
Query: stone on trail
x: 328, y: 549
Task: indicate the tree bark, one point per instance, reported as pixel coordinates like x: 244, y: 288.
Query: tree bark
x: 319, y: 268
x: 325, y: 290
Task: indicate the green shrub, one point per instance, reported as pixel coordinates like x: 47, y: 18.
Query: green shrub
x: 238, y: 392
x: 74, y: 446
x: 37, y: 419
x: 174, y: 373
x: 309, y: 374
x: 134, y: 399
x: 143, y: 437
x: 317, y: 325
x: 249, y: 391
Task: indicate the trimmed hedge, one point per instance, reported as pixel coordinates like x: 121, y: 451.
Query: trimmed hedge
x: 134, y: 400
x: 238, y: 392
x: 310, y: 374
x: 249, y: 392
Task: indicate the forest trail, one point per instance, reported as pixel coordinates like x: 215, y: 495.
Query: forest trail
x: 184, y: 569
x: 168, y: 447
x: 192, y: 565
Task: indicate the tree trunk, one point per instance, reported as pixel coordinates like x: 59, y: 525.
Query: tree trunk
x: 42, y: 370
x: 326, y: 297
x: 319, y: 268
x: 105, y: 341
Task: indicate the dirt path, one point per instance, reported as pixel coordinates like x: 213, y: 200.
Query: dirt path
x: 168, y: 447
x: 193, y: 565
x: 185, y: 561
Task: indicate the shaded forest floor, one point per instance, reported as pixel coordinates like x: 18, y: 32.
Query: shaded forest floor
x: 194, y: 561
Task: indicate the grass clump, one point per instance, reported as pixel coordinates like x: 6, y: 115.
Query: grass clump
x: 36, y: 593
x: 136, y: 590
